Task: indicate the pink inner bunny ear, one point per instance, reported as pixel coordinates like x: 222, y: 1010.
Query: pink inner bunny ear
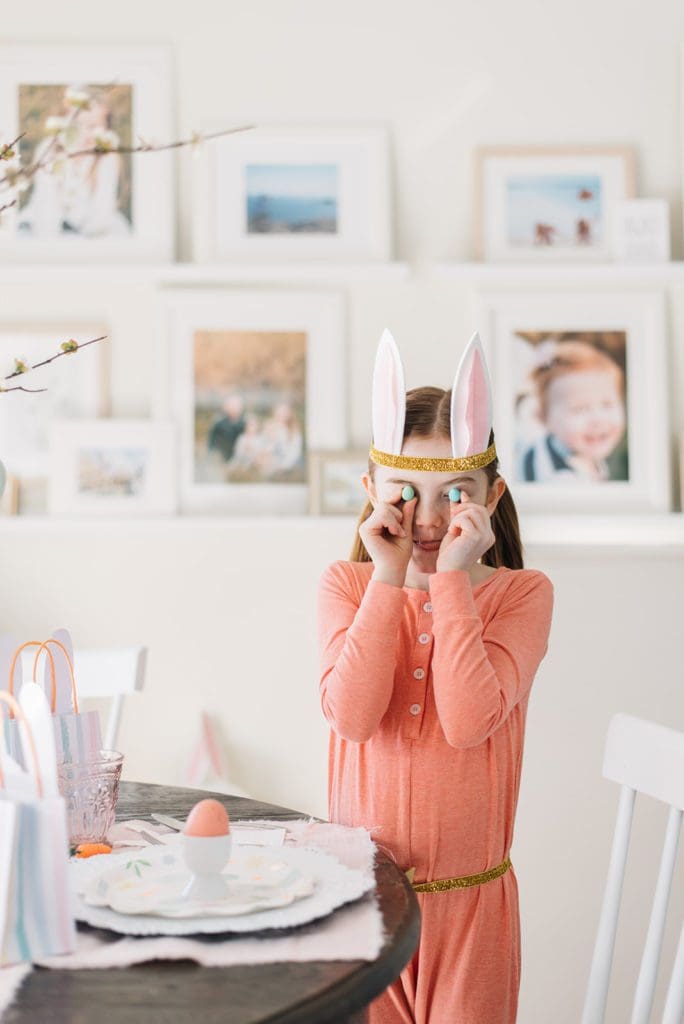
x: 471, y: 403
x: 389, y: 397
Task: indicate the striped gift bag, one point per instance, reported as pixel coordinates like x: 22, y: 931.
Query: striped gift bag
x: 36, y: 919
x: 78, y: 734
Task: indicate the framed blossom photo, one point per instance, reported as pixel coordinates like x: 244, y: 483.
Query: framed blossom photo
x: 252, y: 380
x: 549, y: 204
x: 336, y: 488
x: 581, y: 399
x: 108, y: 205
x: 112, y: 468
x: 76, y: 386
x: 293, y: 192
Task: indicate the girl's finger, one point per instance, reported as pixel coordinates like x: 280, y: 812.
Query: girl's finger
x: 408, y: 514
x: 393, y: 524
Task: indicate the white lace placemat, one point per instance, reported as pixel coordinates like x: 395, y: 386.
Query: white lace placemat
x: 353, y: 932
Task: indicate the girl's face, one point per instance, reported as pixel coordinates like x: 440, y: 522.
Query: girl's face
x: 432, y: 513
x: 585, y: 412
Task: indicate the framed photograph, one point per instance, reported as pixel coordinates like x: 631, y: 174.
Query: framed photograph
x: 112, y: 468
x: 336, y: 488
x: 580, y: 399
x: 76, y: 387
x: 109, y: 206
x: 293, y: 192
x: 253, y: 379
x: 549, y: 204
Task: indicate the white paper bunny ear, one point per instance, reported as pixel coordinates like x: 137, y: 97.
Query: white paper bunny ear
x: 389, y: 397
x: 471, y: 403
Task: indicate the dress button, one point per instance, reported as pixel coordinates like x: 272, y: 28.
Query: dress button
x: 419, y: 673
x: 424, y: 638
x: 415, y: 709
x: 427, y: 607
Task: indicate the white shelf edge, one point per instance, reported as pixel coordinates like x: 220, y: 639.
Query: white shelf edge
x: 336, y: 273
x: 654, y: 533
x: 207, y: 273
x: 584, y: 272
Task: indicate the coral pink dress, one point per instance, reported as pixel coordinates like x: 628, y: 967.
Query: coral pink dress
x: 426, y: 694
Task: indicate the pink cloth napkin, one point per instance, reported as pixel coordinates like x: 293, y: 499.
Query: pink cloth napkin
x: 354, y: 932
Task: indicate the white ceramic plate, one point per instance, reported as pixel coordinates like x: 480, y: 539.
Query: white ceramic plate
x: 278, y: 902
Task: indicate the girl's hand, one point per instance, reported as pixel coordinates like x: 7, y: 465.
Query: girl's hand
x: 468, y: 537
x: 387, y: 535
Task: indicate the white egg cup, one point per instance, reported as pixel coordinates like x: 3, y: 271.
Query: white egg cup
x: 206, y: 857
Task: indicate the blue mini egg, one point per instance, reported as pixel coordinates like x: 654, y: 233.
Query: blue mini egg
x: 454, y: 494
x: 408, y: 493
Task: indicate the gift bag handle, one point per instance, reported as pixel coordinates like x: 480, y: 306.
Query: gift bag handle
x: 40, y: 645
x: 17, y: 712
x: 45, y: 646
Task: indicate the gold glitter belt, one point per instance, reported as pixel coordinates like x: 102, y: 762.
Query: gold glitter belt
x: 464, y: 882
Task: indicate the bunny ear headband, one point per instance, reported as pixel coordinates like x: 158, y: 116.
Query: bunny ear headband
x: 471, y: 412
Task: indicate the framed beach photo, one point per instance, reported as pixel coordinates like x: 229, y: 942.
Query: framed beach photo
x: 107, y: 206
x: 112, y: 468
x: 293, y: 192
x: 253, y: 379
x: 549, y: 204
x: 336, y: 488
x: 76, y: 386
x: 581, y: 399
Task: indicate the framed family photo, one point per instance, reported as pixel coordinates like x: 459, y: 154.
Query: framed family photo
x: 74, y: 386
x: 549, y: 204
x: 293, y: 192
x: 336, y: 488
x: 110, y: 205
x: 581, y: 399
x: 253, y: 379
x: 112, y: 468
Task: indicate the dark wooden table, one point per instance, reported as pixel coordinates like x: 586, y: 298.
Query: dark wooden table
x: 176, y: 992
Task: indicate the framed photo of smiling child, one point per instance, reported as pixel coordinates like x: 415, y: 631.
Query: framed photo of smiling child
x: 580, y: 392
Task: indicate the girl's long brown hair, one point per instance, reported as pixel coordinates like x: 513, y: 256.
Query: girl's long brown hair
x: 428, y: 413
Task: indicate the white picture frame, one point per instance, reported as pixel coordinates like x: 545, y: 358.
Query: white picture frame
x: 642, y: 231
x: 549, y: 204
x: 293, y: 192
x: 335, y: 482
x: 76, y: 386
x: 220, y: 323
x: 632, y: 328
x: 116, y: 208
x: 112, y: 468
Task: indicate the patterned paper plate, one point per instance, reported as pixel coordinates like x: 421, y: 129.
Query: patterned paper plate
x: 154, y: 884
x: 139, y: 894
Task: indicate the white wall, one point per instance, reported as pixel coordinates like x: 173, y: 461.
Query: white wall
x: 228, y: 609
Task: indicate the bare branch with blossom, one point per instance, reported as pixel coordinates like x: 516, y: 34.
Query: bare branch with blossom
x: 66, y: 348
x: 19, y: 178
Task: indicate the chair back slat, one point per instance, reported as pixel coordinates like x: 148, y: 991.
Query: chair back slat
x: 648, y: 972
x: 673, y: 1012
x: 599, y: 976
x: 647, y: 757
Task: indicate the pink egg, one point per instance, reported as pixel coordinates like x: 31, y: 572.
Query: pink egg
x: 207, y: 818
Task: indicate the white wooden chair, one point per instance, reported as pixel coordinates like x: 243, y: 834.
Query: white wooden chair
x: 113, y: 673
x: 643, y: 758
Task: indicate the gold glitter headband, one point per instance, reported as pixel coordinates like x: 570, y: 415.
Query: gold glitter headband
x: 433, y: 465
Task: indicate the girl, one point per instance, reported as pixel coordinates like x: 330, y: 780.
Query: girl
x: 430, y: 638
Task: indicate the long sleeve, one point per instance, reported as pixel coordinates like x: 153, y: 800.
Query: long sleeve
x: 481, y: 673
x: 358, y: 642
